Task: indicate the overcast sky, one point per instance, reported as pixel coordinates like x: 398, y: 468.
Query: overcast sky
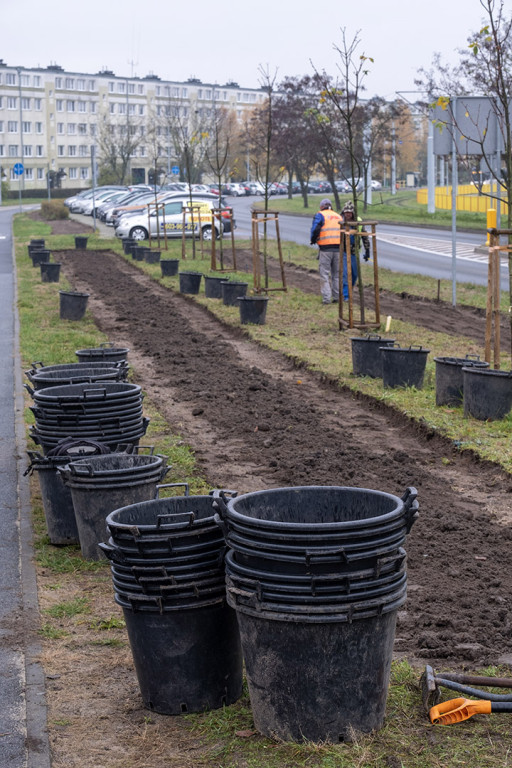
x: 230, y: 40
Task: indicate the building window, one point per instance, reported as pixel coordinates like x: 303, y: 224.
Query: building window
x: 10, y: 78
x: 131, y: 109
x: 84, y: 173
x: 184, y: 93
x: 80, y: 84
x: 25, y: 103
x: 111, y: 87
x: 73, y: 173
x: 140, y: 89
x: 13, y: 150
x: 27, y: 150
x: 1, y: 102
x: 26, y: 127
x: 92, y: 107
x: 82, y: 106
x: 158, y: 90
x: 82, y: 129
x: 71, y: 129
x: 60, y: 150
x: 112, y: 108
x: 38, y: 104
x: 70, y: 82
x: 121, y: 108
x: 92, y: 128
x: 40, y: 174
x: 29, y: 174
x: 142, y: 151
x: 121, y: 87
x: 39, y: 150
x: 25, y: 80
x: 12, y: 102
x: 72, y: 150
x: 37, y: 81
x: 1, y: 126
x: 12, y: 126
x: 200, y: 93
x: 60, y: 127
x: 58, y: 82
x: 70, y: 105
x: 39, y: 127
x: 92, y: 85
x: 2, y: 150
x: 208, y: 94
x: 141, y: 109
x: 83, y: 150
x: 131, y: 87
x: 60, y: 105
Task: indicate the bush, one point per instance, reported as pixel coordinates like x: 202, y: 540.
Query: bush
x: 54, y: 209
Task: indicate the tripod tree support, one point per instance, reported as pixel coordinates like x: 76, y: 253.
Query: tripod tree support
x: 263, y: 217
x: 349, y: 229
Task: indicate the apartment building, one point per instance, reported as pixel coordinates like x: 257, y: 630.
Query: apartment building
x: 50, y: 120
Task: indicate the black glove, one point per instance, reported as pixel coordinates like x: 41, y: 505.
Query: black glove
x: 366, y: 256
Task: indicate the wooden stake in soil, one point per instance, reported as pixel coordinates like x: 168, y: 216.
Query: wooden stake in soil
x: 348, y: 230
x: 262, y: 217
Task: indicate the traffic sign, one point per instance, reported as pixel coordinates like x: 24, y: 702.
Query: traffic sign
x: 175, y: 170
x: 18, y: 169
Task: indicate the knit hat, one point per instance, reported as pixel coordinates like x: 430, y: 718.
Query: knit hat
x: 326, y: 203
x: 348, y: 207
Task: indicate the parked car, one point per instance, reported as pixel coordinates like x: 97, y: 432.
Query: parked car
x: 92, y: 204
x: 342, y: 186
x: 233, y: 189
x: 75, y: 200
x: 376, y: 185
x: 85, y: 205
x: 170, y: 221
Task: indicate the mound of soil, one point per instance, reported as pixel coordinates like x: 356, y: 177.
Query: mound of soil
x: 255, y: 421
x: 62, y: 226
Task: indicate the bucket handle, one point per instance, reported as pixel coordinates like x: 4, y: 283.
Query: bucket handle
x: 29, y: 389
x: 37, y: 363
x: 311, y: 554
x: 220, y: 500
x: 172, y: 485
x: 249, y: 596
x: 222, y: 524
x: 108, y: 550
x: 411, y: 507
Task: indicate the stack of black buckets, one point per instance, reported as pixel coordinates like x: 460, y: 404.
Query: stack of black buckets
x: 168, y: 577
x: 316, y: 576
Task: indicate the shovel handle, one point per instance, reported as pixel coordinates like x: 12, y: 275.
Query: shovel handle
x: 457, y: 710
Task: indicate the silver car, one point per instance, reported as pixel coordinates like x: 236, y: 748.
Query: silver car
x: 170, y: 218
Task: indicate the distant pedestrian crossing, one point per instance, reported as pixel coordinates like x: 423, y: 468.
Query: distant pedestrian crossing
x: 439, y: 247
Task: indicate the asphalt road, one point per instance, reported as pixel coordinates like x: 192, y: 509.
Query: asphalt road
x: 23, y: 735
x: 402, y: 249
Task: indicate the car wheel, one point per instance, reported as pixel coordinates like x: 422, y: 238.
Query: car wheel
x: 138, y: 233
x: 207, y: 233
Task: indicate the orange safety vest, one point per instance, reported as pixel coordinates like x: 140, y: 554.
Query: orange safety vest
x: 330, y: 232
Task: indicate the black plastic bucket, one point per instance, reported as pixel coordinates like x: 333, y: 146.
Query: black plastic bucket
x: 253, y: 309
x: 81, y: 242
x: 449, y: 378
x: 151, y: 257
x: 38, y: 368
x: 92, y: 504
x: 127, y: 243
x: 329, y: 673
x: 186, y: 660
x: 37, y: 243
x: 213, y: 286
x: 403, y: 366
x: 40, y: 256
x: 50, y: 272
x: 231, y: 292
x: 57, y: 502
x: 190, y: 282
x: 487, y: 393
x: 42, y: 379
x: 366, y: 355
x: 138, y: 252
x: 106, y: 352
x: 72, y: 305
x: 169, y: 267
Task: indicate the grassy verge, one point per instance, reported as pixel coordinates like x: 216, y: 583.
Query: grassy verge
x: 401, y: 208
x: 298, y: 327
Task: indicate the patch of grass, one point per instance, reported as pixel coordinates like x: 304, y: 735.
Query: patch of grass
x: 113, y: 622
x: 70, y: 608
x: 49, y: 632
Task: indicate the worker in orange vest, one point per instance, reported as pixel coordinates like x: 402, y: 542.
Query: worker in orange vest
x: 326, y: 232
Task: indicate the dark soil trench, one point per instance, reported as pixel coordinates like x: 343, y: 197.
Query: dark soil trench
x: 252, y: 425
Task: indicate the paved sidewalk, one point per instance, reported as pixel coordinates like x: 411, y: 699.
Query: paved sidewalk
x: 23, y: 726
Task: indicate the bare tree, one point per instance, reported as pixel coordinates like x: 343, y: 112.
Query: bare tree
x: 117, y: 143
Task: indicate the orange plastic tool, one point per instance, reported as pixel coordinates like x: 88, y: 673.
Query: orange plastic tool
x: 456, y: 710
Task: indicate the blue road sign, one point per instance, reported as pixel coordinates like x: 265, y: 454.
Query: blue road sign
x: 18, y: 169
x: 175, y: 170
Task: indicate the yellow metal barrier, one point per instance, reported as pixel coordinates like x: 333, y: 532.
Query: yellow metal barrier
x: 467, y: 199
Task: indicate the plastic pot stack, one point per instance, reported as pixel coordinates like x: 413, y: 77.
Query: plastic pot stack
x: 100, y: 484
x: 109, y: 412
x: 168, y: 577
x: 76, y: 369
x: 316, y: 575
x: 42, y: 378
x: 106, y: 352
x: 57, y: 502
